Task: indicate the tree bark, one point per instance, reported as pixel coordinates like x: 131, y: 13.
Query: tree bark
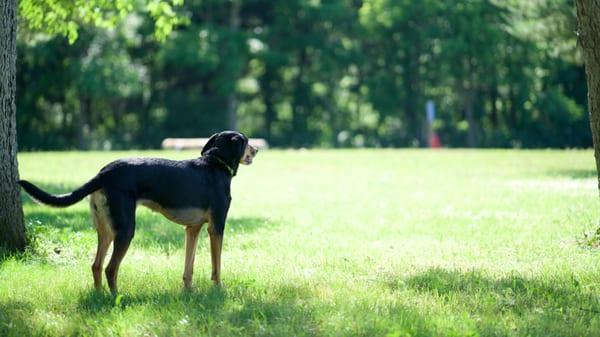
x: 588, y: 16
x: 12, y: 229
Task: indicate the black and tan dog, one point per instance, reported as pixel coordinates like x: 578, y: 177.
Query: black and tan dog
x: 189, y: 192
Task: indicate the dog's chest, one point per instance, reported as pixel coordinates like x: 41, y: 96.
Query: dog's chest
x: 184, y: 216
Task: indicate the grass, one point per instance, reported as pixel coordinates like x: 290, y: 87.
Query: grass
x: 331, y: 243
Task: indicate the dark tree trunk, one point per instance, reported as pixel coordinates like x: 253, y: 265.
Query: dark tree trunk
x: 512, y: 111
x: 588, y: 16
x: 12, y: 229
x: 82, y: 120
x: 412, y: 88
x: 470, y: 92
x: 232, y: 102
x: 469, y: 113
x: 493, y: 99
x: 268, y: 92
x: 299, y: 102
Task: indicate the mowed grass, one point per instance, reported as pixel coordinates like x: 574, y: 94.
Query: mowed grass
x: 330, y: 243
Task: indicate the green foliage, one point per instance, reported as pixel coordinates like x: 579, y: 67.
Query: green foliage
x: 591, y: 239
x: 66, y: 17
x: 302, y: 73
x: 403, y: 243
x: 165, y: 17
x: 557, y: 109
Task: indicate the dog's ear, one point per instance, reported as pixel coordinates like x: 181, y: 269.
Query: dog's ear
x: 209, y: 144
x: 238, y: 143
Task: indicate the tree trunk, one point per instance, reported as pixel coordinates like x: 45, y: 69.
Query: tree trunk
x: 470, y: 92
x: 299, y: 101
x: 412, y: 88
x: 268, y: 96
x: 83, y: 121
x: 588, y: 16
x: 512, y: 110
x: 12, y: 229
x: 469, y: 113
x: 493, y: 99
x: 234, y: 24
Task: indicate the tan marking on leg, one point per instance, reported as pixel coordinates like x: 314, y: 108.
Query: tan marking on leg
x: 101, y: 218
x: 191, y: 241
x: 216, y: 245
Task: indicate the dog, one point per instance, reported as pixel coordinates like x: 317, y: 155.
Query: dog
x: 188, y: 192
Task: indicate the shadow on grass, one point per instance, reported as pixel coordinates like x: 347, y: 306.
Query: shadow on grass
x: 14, y: 318
x: 242, y: 308
x: 76, y: 220
x: 239, y: 307
x: 249, y: 308
x: 575, y: 173
x: 152, y: 229
x: 500, y: 306
x: 144, y: 218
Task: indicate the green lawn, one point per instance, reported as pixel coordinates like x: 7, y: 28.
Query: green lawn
x: 331, y: 243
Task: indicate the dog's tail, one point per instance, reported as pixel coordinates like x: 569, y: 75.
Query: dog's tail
x: 61, y: 200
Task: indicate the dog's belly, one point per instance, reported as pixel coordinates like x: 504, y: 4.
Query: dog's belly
x: 186, y: 216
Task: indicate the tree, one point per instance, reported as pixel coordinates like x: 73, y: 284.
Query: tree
x: 12, y: 229
x: 588, y: 15
x: 303, y: 73
x: 52, y: 17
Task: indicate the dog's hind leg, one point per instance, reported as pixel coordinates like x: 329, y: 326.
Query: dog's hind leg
x: 101, y: 218
x: 122, y: 214
x: 191, y: 241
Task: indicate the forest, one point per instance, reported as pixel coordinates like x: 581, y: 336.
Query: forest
x: 310, y: 73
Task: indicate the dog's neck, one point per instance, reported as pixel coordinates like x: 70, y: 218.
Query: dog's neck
x: 225, y: 166
x: 221, y: 163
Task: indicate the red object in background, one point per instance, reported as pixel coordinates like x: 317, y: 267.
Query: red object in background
x: 434, y: 141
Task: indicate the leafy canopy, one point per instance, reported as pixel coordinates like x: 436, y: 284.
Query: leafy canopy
x: 65, y: 17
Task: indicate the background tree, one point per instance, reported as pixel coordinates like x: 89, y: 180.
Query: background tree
x: 311, y: 73
x: 53, y: 17
x: 339, y: 73
x: 12, y: 230
x: 588, y: 15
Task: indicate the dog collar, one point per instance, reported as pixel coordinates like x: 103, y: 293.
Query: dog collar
x: 229, y: 169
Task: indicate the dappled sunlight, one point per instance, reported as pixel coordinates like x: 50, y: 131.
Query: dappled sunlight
x: 403, y: 242
x: 580, y: 173
x: 580, y: 186
x: 493, y: 302
x: 284, y: 309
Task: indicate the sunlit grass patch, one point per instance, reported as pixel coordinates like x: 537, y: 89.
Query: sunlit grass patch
x: 331, y: 243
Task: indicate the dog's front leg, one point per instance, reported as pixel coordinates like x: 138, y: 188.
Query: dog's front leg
x: 216, y: 245
x: 191, y: 240
x: 216, y: 228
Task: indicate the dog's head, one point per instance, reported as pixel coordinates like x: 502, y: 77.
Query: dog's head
x: 231, y: 147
